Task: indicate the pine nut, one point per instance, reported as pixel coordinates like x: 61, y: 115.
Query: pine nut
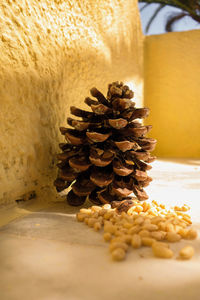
x: 156, y: 220
x: 144, y: 233
x: 86, y: 220
x: 80, y: 217
x: 191, y: 234
x: 139, y: 221
x: 114, y: 245
x: 186, y: 252
x: 128, y: 238
x: 102, y: 212
x: 96, y: 208
x: 127, y: 225
x: 109, y: 228
x: 108, y: 215
x: 146, y: 206
x: 139, y: 208
x: 170, y: 227
x: 86, y: 211
x: 118, y: 254
x: 91, y: 222
x: 97, y: 226
x: 150, y: 227
x: 162, y: 252
x: 107, y: 236
x: 136, y: 241
x: 161, y: 244
x: 147, y: 241
x: 158, y: 235
x: 173, y: 237
x: 183, y: 233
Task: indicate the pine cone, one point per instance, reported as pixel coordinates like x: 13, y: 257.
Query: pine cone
x: 106, y: 155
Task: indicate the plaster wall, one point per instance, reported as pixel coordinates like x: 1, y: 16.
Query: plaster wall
x: 51, y: 53
x: 171, y: 91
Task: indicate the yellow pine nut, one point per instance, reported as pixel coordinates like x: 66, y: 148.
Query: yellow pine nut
x: 186, y: 252
x: 108, y: 215
x: 128, y: 238
x: 97, y: 226
x: 185, y: 207
x: 134, y: 229
x: 150, y: 227
x: 95, y: 215
x: 139, y: 221
x: 109, y: 228
x: 147, y: 241
x: 118, y: 239
x: 162, y: 206
x: 161, y: 252
x: 142, y: 214
x: 127, y: 225
x: 118, y: 254
x: 107, y: 236
x: 119, y: 233
x: 102, y: 212
x: 177, y: 208
x: 161, y: 244
x: 147, y: 220
x: 136, y: 241
x: 131, y: 211
x: 91, y: 222
x: 86, y: 220
x: 170, y: 227
x: 183, y: 232
x: 80, y: 217
x: 100, y: 219
x: 187, y: 219
x: 175, y: 221
x: 157, y: 235
x: 86, y: 211
x: 146, y: 206
x: 191, y: 234
x: 144, y: 233
x: 152, y: 212
x: 139, y: 208
x: 173, y: 237
x: 155, y: 202
x: 162, y: 226
x: 177, y: 228
x: 183, y: 224
x: 123, y: 214
x: 156, y: 220
x: 114, y: 245
x: 96, y: 208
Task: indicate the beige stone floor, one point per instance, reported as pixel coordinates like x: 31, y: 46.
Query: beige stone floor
x: 47, y: 255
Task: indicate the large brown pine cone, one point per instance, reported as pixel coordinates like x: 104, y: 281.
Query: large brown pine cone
x: 107, y: 154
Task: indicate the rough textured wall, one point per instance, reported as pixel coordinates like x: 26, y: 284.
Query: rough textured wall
x: 172, y: 85
x: 52, y: 53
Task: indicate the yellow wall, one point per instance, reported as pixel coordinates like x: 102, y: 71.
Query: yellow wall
x: 51, y: 53
x: 172, y: 91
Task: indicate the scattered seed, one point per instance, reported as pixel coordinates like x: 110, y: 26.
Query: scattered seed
x: 186, y: 252
x: 118, y: 254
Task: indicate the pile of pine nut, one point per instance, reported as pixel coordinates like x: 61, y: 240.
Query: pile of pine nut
x: 147, y: 224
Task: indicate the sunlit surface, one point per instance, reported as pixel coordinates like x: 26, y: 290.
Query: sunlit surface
x: 49, y: 255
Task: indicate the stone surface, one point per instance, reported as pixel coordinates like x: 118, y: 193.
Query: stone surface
x: 47, y: 255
